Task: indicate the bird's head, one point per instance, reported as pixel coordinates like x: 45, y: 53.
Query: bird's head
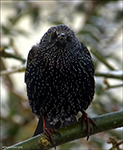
x: 59, y: 35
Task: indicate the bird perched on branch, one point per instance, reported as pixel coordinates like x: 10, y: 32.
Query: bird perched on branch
x: 60, y: 80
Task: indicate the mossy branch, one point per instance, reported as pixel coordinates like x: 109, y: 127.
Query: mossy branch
x: 73, y: 132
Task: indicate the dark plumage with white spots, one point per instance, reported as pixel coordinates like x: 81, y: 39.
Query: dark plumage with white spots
x: 59, y: 76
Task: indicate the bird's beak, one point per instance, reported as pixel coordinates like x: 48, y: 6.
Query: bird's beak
x: 62, y: 38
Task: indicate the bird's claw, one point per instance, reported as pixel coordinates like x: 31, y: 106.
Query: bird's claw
x: 48, y: 132
x: 88, y: 120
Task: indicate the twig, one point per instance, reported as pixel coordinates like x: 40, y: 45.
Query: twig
x: 6, y: 54
x: 97, y: 55
x: 113, y: 86
x: 13, y: 70
x: 112, y: 74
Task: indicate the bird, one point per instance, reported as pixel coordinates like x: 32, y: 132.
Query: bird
x: 59, y: 78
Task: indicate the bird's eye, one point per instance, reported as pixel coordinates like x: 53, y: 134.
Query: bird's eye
x: 69, y: 38
x: 54, y: 35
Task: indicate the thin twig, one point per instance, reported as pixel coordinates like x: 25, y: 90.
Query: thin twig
x: 13, y: 70
x: 97, y: 55
x: 112, y: 74
x: 4, y: 53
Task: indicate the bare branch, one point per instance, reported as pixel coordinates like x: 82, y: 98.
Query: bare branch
x: 112, y: 74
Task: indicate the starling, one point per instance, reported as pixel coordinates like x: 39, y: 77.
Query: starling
x: 60, y: 80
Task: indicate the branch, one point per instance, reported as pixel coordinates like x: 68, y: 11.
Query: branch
x: 17, y: 69
x: 97, y: 55
x: 113, y: 86
x: 8, y: 54
x: 72, y: 132
x: 108, y: 86
x: 111, y: 74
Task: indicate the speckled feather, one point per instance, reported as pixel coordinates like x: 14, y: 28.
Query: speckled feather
x: 59, y: 75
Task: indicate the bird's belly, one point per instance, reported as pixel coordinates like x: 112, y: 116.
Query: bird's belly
x: 58, y: 96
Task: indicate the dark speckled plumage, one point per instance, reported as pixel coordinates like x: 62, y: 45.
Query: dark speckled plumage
x: 59, y: 75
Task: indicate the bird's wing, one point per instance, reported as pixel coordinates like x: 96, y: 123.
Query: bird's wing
x: 32, y: 54
x: 85, y: 50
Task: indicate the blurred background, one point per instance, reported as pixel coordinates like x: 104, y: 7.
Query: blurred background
x: 98, y: 24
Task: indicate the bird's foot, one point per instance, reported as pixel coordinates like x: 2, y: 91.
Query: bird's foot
x: 48, y: 132
x: 88, y: 121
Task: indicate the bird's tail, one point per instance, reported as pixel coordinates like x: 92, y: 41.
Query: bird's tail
x: 39, y: 128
